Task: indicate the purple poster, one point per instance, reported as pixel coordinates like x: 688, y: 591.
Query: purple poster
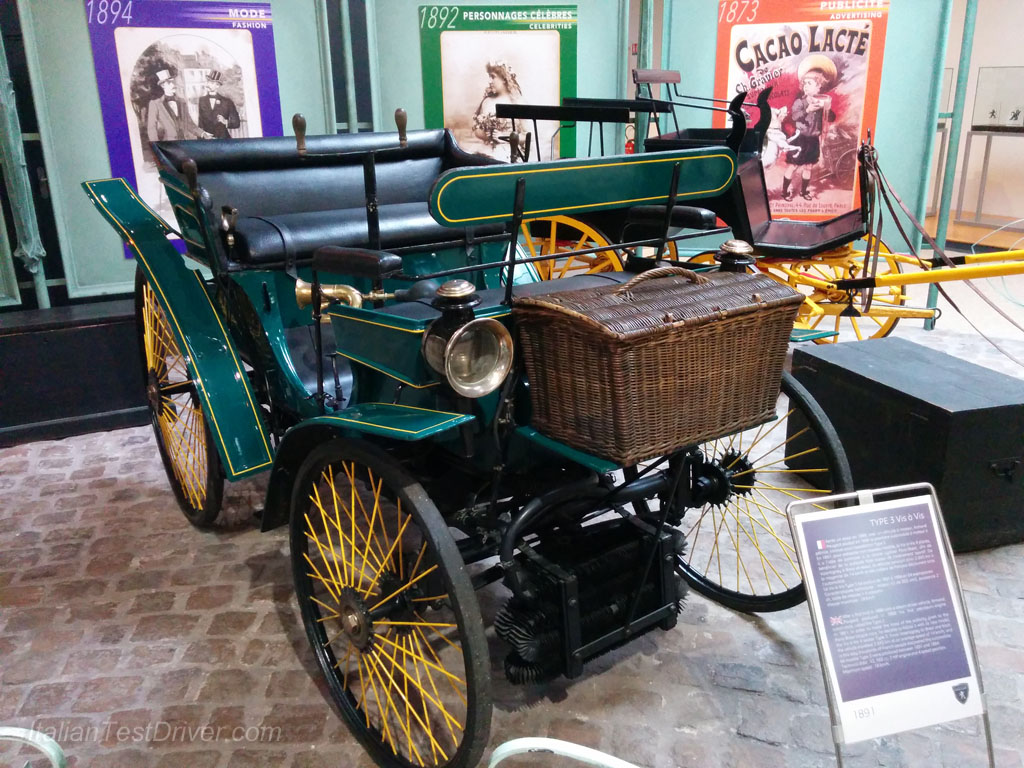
x: 885, y: 603
x: 169, y: 69
x: 887, y: 610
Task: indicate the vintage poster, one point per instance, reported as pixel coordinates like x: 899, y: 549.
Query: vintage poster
x: 180, y: 70
x: 475, y: 57
x: 823, y: 62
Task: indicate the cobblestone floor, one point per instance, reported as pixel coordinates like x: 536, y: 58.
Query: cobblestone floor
x: 115, y: 612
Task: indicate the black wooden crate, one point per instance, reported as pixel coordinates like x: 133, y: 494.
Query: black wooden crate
x: 906, y: 413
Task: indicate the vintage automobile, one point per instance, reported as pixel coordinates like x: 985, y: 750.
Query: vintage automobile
x: 355, y: 315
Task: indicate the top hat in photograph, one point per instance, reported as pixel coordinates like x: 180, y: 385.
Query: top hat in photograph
x: 213, y: 76
x: 163, y: 76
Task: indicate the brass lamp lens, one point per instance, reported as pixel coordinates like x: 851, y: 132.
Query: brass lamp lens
x: 478, y: 357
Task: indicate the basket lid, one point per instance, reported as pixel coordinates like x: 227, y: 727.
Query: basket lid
x: 662, y: 298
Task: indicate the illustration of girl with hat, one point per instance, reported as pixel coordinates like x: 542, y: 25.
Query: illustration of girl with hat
x: 810, y: 113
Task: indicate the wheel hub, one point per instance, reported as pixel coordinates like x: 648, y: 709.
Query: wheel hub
x: 716, y: 477
x: 736, y: 464
x: 355, y: 619
x: 153, y: 390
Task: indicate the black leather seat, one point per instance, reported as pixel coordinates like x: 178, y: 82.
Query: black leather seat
x: 264, y: 240
x: 290, y: 205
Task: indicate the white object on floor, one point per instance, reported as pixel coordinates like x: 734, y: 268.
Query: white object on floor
x: 40, y: 741
x: 557, y: 747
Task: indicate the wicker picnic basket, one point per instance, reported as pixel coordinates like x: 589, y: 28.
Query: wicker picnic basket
x: 667, y: 360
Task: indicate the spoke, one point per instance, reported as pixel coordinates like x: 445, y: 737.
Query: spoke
x: 336, y: 577
x: 739, y: 558
x: 322, y: 604
x: 777, y: 446
x: 391, y: 551
x: 757, y: 545
x: 434, y: 630
x: 404, y: 587
x: 368, y: 537
x: 783, y: 490
x: 759, y: 436
x: 436, y: 702
x: 426, y: 662
x: 378, y: 667
x: 350, y: 574
x: 398, y: 516
x: 344, y: 679
x: 377, y: 506
x: 414, y: 623
x: 786, y: 546
x: 319, y: 576
x: 370, y: 669
x: 419, y: 559
x: 421, y: 640
x: 419, y: 683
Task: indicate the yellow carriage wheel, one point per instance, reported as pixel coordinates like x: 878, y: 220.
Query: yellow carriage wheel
x: 182, y: 435
x: 831, y: 310
x: 389, y: 609
x: 837, y: 314
x: 560, y: 234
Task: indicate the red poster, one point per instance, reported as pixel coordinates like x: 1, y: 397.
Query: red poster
x: 823, y: 62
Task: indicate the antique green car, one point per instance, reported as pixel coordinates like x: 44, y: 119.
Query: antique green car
x: 357, y: 316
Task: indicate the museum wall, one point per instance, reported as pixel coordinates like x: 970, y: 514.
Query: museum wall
x: 996, y: 44
x: 71, y: 126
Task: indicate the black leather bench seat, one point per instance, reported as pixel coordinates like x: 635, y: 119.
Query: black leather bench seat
x: 290, y: 204
x: 268, y: 239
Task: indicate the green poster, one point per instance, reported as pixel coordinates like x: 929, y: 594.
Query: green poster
x: 475, y: 57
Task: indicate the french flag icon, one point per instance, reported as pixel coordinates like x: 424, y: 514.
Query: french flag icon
x: 821, y: 543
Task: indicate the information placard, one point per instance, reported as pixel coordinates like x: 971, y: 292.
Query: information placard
x: 888, y: 615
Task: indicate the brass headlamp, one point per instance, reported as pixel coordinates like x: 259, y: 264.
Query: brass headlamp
x: 473, y: 354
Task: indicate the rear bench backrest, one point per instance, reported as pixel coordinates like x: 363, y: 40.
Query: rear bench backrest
x: 267, y: 177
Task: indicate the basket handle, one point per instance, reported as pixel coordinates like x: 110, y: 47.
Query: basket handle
x: 653, y: 274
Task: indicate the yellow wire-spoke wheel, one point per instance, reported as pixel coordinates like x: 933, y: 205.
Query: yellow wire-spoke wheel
x: 846, y: 320
x: 740, y: 551
x: 389, y: 610
x: 182, y: 436
x: 559, y: 234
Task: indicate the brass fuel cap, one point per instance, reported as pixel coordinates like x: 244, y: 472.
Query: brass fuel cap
x: 456, y: 289
x: 738, y: 247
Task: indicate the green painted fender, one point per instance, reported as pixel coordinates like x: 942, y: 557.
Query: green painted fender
x: 397, y: 422
x: 228, y: 400
x: 463, y: 196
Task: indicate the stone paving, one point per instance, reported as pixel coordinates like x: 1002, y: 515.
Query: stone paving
x: 115, y: 613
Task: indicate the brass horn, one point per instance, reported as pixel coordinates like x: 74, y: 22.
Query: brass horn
x: 346, y: 294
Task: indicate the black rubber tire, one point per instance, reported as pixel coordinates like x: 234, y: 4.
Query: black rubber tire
x: 403, y: 493
x: 838, y: 479
x: 200, y: 500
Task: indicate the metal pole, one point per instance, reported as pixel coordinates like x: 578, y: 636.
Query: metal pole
x: 645, y: 57
x: 12, y: 156
x: 960, y: 96
x: 352, y: 114
x: 326, y: 70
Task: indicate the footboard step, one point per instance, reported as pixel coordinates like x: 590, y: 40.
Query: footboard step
x: 399, y: 422
x: 809, y: 334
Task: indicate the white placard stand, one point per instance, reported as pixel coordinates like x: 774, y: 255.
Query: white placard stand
x: 889, y: 618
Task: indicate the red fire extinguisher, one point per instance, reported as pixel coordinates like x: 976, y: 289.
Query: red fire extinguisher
x: 630, y: 141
